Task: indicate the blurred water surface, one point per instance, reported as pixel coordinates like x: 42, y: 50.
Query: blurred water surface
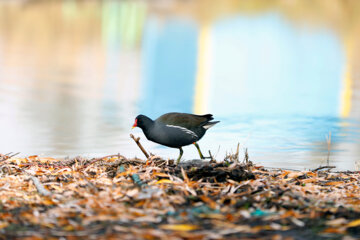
x: 279, y: 75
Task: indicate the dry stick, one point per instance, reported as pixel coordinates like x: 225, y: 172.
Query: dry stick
x: 237, y: 152
x: 246, y: 159
x: 7, y: 156
x: 246, y: 156
x: 101, y: 158
x: 328, y: 140
x: 79, y: 233
x: 212, y: 158
x: 323, y: 167
x: 10, y: 156
x: 137, y: 141
x: 3, y: 158
x: 40, y: 188
x: 281, y: 169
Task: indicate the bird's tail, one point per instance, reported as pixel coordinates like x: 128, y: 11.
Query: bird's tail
x: 207, y: 116
x: 210, y: 124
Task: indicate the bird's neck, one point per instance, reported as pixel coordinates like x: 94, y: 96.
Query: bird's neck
x: 148, y: 124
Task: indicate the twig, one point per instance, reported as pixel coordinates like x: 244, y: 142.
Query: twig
x: 102, y: 158
x: 282, y: 169
x: 40, y: 188
x: 328, y: 141
x: 217, y: 152
x: 323, y: 167
x: 79, y: 233
x: 246, y: 159
x: 246, y: 156
x: 211, y: 157
x: 10, y: 156
x: 237, y: 153
x: 137, y: 141
x: 7, y: 156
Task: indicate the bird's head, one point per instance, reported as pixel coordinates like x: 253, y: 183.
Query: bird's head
x: 141, y: 121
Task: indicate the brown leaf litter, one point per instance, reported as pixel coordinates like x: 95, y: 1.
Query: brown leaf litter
x: 118, y: 198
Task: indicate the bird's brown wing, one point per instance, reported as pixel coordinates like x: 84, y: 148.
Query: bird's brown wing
x: 185, y: 120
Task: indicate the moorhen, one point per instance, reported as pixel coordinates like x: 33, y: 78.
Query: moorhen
x: 176, y: 130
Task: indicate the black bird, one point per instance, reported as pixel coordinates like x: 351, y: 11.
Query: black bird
x: 176, y: 130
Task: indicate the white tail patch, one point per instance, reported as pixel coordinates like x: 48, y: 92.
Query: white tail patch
x: 209, y: 125
x: 184, y: 130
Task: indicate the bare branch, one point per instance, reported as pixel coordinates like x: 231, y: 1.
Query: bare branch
x: 137, y: 141
x: 323, y: 167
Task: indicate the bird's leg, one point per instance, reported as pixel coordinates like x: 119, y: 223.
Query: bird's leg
x: 181, y: 153
x: 198, y: 148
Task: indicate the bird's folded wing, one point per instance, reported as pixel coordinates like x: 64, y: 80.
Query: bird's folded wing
x: 188, y: 121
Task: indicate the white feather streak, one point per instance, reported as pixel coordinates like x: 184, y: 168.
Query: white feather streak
x: 184, y: 130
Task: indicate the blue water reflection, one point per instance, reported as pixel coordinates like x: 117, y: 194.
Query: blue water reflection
x: 275, y: 68
x: 169, y: 62
x: 279, y: 84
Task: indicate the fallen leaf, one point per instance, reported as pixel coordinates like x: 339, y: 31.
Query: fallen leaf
x: 333, y: 183
x: 160, y: 174
x: 334, y: 230
x: 164, y: 181
x: 179, y: 227
x: 354, y: 223
x: 336, y: 222
x: 3, y: 224
x: 186, y: 179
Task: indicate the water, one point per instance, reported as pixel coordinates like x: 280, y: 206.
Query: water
x: 280, y: 76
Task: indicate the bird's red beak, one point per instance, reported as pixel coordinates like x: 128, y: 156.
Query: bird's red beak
x: 135, y: 124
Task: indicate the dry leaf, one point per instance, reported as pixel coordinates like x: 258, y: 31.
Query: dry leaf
x: 164, y: 181
x: 179, y: 227
x: 354, y: 223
